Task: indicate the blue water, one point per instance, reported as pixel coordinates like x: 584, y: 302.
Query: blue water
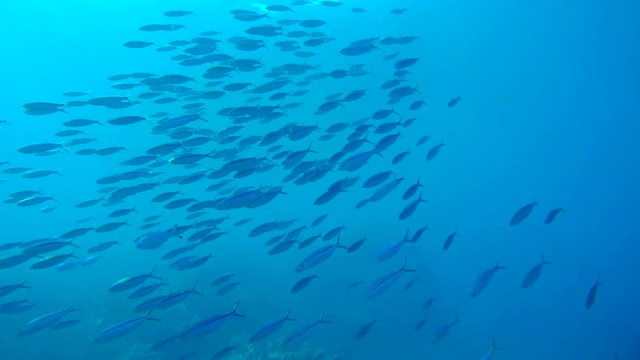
x: 549, y: 114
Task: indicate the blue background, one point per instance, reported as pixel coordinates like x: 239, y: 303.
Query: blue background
x: 549, y: 113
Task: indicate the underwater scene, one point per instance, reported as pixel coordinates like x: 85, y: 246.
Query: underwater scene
x: 319, y: 179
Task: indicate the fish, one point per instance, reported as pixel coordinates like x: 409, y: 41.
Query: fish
x: 419, y: 325
x: 303, y: 283
x: 532, y: 276
x: 121, y: 329
x: 552, y: 215
x: 384, y: 283
x: 50, y: 261
x: 130, y: 282
x: 592, y: 294
x: 209, y: 324
x: 303, y: 332
x: 523, y: 213
x: 434, y: 151
x: 442, y: 331
x: 412, y: 190
x: 222, y: 280
x: 270, y: 328
x: 484, y: 279
x: 8, y: 289
x: 408, y: 210
x: 454, y: 101
x: 364, y: 329
x: 449, y: 240
x: 391, y: 250
x: 319, y: 256
x: 45, y: 321
x: 492, y: 348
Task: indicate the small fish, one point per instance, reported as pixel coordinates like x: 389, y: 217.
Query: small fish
x: 222, y: 280
x: 303, y: 283
x: 410, y: 208
x: 303, y: 332
x: 552, y: 215
x: 442, y: 331
x: 427, y: 303
x: 449, y: 240
x: 364, y: 329
x: 224, y: 352
x: 522, y: 214
x: 131, y: 282
x: 209, y: 324
x: 8, y: 289
x: 270, y: 328
x: 227, y: 288
x: 384, y: 283
x: 434, y: 151
x: 593, y: 293
x: 484, y: 279
x: 534, y: 273
x: 492, y: 348
x: 453, y: 102
x: 120, y: 329
x: 45, y: 321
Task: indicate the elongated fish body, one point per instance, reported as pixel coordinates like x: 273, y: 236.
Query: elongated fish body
x: 489, y: 353
x: 270, y: 328
x: 454, y: 101
x: 51, y: 261
x: 102, y: 246
x: 442, y: 331
x: 146, y: 290
x: 45, y: 321
x: 356, y: 245
x: 319, y: 256
x: 410, y: 208
x: 364, y: 329
x: 177, y: 297
x: 522, y: 214
x: 384, y: 283
x: 8, y: 289
x: 16, y: 307
x: 303, y: 332
x: 150, y: 304
x: 552, y: 215
x: 419, y: 325
x: 227, y: 288
x: 222, y: 280
x: 356, y: 161
x: 65, y: 324
x: 392, y: 249
x: 14, y: 260
x: 384, y: 190
x: 592, y: 294
x: 434, y: 151
x: 377, y: 179
x: 121, y: 329
x: 154, y: 239
x: 302, y: 283
x: 131, y: 282
x: 412, y: 190
x: 449, y: 240
x: 532, y: 276
x: 210, y: 324
x: 484, y: 279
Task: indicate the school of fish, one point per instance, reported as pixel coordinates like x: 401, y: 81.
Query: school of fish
x: 233, y: 134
